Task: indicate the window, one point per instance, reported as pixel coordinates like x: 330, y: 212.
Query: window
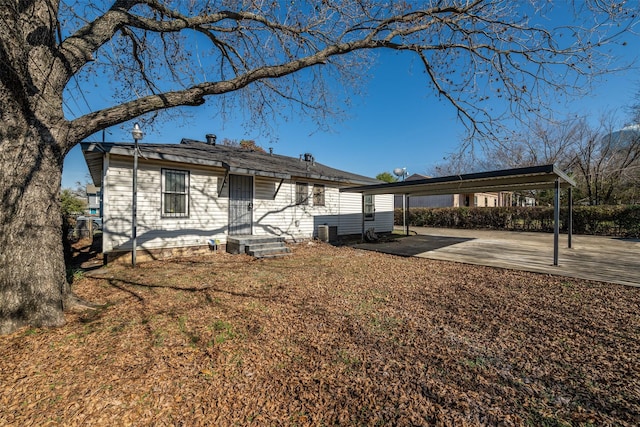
x: 175, y: 193
x: 369, y: 207
x: 318, y: 195
x: 486, y: 202
x: 302, y: 193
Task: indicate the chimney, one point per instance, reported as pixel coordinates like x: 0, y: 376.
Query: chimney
x: 308, y: 157
x: 211, y: 139
x: 271, y: 151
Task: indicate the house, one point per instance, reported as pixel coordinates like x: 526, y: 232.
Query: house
x: 194, y: 192
x: 503, y: 198
x: 93, y: 200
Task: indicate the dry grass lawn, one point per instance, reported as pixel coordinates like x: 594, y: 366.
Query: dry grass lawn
x: 329, y: 336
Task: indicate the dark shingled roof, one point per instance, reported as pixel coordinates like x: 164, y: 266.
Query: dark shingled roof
x: 233, y: 159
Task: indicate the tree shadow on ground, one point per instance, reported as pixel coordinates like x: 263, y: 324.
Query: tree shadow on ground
x: 412, y: 245
x: 86, y: 254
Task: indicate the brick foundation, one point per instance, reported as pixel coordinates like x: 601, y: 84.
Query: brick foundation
x: 144, y: 255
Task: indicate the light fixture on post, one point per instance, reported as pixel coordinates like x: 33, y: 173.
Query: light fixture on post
x: 137, y: 134
x: 402, y: 173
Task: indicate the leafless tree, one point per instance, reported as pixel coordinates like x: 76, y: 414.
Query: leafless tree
x: 260, y: 56
x: 604, y: 159
x: 606, y: 163
x: 537, y: 143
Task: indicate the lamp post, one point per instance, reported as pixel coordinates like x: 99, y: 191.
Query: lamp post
x: 137, y: 134
x: 402, y: 173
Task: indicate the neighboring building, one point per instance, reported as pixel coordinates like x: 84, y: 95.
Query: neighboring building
x: 503, y: 198
x: 520, y: 200
x: 93, y: 200
x: 192, y: 192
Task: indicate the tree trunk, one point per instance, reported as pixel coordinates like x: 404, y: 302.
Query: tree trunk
x: 32, y: 271
x: 34, y: 138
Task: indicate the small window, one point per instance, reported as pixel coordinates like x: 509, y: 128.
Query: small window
x: 369, y: 207
x: 175, y: 193
x: 318, y: 195
x: 475, y: 200
x: 486, y: 202
x: 302, y: 193
x: 495, y: 202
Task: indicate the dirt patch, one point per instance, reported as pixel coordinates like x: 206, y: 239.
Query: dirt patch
x: 329, y: 336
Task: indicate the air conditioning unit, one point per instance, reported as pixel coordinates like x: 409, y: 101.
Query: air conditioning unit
x: 323, y: 233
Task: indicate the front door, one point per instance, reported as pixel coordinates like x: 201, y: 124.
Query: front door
x: 240, y: 204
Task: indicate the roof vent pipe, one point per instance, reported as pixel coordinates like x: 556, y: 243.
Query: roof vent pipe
x: 211, y: 139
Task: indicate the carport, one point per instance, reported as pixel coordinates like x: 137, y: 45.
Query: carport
x: 527, y: 178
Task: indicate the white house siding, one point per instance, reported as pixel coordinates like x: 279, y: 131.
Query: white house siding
x: 208, y: 213
x: 350, y: 218
x: 343, y: 210
x: 272, y: 215
x: 283, y: 217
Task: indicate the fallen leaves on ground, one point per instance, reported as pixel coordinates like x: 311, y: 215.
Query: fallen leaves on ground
x: 329, y: 336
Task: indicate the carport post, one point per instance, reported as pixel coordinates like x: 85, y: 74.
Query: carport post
x: 556, y: 222
x: 362, y: 235
x: 405, y: 213
x: 570, y: 224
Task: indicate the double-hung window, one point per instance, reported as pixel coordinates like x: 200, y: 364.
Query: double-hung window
x: 175, y: 193
x: 318, y: 195
x: 369, y: 207
x: 302, y: 193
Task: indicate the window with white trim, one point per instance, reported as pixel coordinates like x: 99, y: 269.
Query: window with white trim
x: 369, y: 207
x: 175, y: 193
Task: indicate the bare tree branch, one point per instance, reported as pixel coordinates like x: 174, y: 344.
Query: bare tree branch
x: 491, y: 46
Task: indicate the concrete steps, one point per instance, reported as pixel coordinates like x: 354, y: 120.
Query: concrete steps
x: 258, y: 246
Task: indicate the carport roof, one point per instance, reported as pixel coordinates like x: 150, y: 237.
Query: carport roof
x: 527, y: 178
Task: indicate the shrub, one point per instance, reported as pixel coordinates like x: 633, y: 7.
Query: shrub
x: 602, y: 220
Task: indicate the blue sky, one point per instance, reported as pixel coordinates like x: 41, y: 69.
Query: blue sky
x: 397, y: 122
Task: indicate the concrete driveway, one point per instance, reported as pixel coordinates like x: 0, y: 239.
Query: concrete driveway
x: 605, y: 259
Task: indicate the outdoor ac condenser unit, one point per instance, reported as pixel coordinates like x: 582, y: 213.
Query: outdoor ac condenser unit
x: 323, y: 233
